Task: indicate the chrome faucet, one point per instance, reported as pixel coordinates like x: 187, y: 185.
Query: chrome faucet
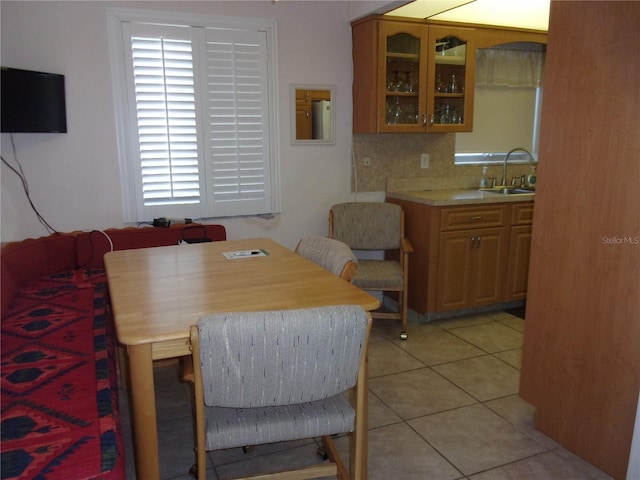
x: 506, y: 159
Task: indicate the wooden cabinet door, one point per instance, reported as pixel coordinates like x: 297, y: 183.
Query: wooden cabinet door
x: 455, y: 262
x: 402, y: 76
x: 471, y: 269
x: 489, y: 266
x: 451, y: 79
x: 518, y: 272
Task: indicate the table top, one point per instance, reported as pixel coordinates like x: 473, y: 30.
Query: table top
x: 158, y: 293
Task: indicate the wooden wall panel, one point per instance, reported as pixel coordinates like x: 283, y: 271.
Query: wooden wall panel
x: 581, y: 354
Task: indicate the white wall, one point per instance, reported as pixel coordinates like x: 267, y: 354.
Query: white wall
x: 74, y: 178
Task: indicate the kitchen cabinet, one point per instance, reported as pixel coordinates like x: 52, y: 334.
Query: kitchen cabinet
x: 471, y: 269
x: 471, y: 260
x: 451, y: 72
x: 402, y: 89
x: 466, y: 256
x: 411, y: 76
x: 519, y: 250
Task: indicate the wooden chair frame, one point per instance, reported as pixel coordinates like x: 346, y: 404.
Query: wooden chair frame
x: 404, y: 251
x: 358, y: 452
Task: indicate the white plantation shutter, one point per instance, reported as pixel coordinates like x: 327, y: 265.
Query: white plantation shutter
x: 166, y: 114
x: 237, y: 116
x: 198, y: 120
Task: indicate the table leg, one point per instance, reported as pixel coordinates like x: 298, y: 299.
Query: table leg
x: 145, y: 428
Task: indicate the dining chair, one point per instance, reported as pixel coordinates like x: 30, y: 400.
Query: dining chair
x: 376, y: 226
x: 330, y: 254
x: 265, y: 377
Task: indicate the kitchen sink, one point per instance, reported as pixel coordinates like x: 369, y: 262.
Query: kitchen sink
x: 508, y: 190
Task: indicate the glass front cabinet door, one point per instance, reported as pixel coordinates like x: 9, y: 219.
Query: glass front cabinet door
x: 451, y: 79
x: 402, y: 92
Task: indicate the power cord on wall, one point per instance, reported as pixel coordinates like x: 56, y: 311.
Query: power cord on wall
x: 20, y: 173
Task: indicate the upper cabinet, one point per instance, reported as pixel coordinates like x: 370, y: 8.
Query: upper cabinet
x: 452, y: 56
x: 401, y: 91
x: 412, y: 77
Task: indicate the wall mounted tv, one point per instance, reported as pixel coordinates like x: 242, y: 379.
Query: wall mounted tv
x: 32, y: 102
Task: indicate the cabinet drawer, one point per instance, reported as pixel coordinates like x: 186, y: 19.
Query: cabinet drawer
x: 473, y: 217
x: 522, y: 213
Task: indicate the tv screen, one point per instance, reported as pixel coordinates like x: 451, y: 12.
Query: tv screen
x: 32, y: 102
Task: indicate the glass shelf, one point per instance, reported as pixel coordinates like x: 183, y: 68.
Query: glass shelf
x: 392, y: 93
x: 449, y: 95
x: 449, y: 60
x: 405, y: 57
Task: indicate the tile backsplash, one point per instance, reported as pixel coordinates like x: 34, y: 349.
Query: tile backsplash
x: 395, y: 163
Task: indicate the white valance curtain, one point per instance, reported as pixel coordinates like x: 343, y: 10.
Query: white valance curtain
x: 509, y: 68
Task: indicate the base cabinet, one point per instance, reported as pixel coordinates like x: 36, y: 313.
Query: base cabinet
x: 466, y: 256
x: 519, y: 251
x: 472, y: 268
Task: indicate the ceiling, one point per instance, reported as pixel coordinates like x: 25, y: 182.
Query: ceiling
x: 533, y: 14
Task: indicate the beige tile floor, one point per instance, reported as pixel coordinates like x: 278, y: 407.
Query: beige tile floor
x: 443, y: 405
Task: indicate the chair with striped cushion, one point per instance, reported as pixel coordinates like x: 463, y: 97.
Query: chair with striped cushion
x: 376, y: 226
x: 330, y: 254
x: 265, y: 377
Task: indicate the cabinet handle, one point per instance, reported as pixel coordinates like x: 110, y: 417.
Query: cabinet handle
x: 430, y: 120
x: 475, y: 219
x: 475, y: 243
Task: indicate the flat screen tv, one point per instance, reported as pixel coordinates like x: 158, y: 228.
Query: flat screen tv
x: 32, y: 102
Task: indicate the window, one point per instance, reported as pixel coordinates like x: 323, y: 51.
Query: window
x: 195, y: 100
x: 507, y: 102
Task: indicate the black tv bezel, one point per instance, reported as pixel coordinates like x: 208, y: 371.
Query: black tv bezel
x: 32, y: 101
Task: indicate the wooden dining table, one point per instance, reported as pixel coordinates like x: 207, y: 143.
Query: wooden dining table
x: 158, y: 293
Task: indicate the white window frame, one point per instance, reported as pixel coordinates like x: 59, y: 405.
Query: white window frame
x: 503, y: 67
x: 126, y: 121
x: 497, y: 157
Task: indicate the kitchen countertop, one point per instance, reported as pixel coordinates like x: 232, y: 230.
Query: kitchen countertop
x: 458, y: 197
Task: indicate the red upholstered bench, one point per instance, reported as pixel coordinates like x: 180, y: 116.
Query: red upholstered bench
x: 60, y: 417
